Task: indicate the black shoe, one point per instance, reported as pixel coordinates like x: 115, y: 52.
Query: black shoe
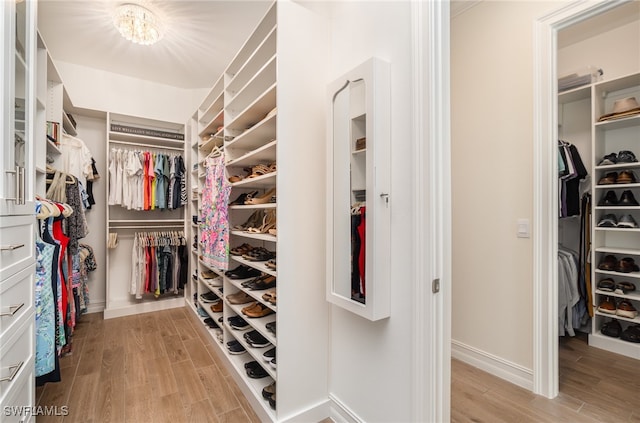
x: 627, y: 199
x: 255, y: 339
x: 609, y: 159
x: 235, y: 347
x: 269, y: 390
x: 257, y: 372
x: 626, y: 156
x: 271, y: 327
x: 238, y: 323
x: 631, y: 334
x: 242, y: 272
x: 269, y: 354
x: 612, y: 329
x: 610, y: 199
x: 211, y: 323
x: 209, y: 297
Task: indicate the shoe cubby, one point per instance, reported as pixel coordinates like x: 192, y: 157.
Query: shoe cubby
x: 615, y: 214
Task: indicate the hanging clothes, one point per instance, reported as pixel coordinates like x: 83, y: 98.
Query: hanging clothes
x: 358, y: 252
x: 157, y: 265
x: 214, y: 227
x: 571, y: 171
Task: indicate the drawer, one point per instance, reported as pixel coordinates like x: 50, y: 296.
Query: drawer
x: 16, y: 355
x: 18, y: 405
x: 17, y: 244
x: 16, y: 298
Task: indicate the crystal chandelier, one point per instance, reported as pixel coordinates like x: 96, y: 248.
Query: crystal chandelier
x: 137, y: 24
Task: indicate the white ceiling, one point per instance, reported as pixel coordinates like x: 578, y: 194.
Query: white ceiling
x: 201, y: 38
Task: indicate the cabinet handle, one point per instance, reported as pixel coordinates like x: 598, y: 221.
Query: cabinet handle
x: 385, y: 197
x: 16, y: 368
x: 19, y: 198
x: 12, y: 310
x: 11, y: 247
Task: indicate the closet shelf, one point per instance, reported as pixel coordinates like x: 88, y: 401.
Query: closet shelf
x: 615, y: 250
x: 254, y: 137
x: 143, y: 222
x: 207, y: 309
x: 258, y: 182
x: 615, y: 316
x: 214, y: 289
x: 614, y: 344
x: 627, y: 122
x: 258, y: 83
x: 255, y: 352
x: 218, y: 272
x: 144, y: 141
x: 52, y: 147
x: 617, y: 208
x: 260, y: 265
x: 265, y: 153
x: 253, y: 113
x: 634, y: 295
x: 619, y: 275
x: 618, y: 166
x: 261, y: 237
x: 212, y: 127
x: 254, y: 206
x: 265, y: 51
x: 617, y: 229
x: 617, y: 186
x: 257, y: 295
x: 255, y: 385
x: 257, y: 323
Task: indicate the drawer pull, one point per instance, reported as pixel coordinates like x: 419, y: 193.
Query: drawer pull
x: 11, y: 247
x: 14, y: 372
x: 12, y: 310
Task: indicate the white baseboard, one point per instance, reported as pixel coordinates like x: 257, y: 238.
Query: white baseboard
x: 504, y: 369
x: 128, y: 309
x: 340, y: 413
x: 96, y: 307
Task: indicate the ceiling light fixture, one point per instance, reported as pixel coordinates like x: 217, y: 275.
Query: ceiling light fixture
x: 138, y: 24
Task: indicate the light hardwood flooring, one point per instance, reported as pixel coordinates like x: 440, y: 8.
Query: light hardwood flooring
x: 153, y: 367
x: 162, y: 366
x: 595, y: 386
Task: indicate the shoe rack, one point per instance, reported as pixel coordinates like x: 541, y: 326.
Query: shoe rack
x: 613, y: 136
x: 241, y: 117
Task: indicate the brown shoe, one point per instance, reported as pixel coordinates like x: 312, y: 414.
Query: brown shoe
x: 626, y: 309
x: 260, y: 310
x: 627, y: 265
x: 609, y: 178
x: 217, y: 307
x: 239, y: 297
x: 626, y: 177
x: 607, y: 306
x: 609, y: 262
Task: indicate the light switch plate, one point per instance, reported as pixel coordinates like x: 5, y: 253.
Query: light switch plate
x: 523, y: 228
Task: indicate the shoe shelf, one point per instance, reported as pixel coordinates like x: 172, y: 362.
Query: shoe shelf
x: 260, y: 265
x: 617, y: 208
x: 210, y: 287
x: 218, y: 272
x: 617, y: 186
x: 254, y: 206
x: 634, y: 275
x: 211, y: 142
x: 628, y: 122
x: 255, y: 385
x: 255, y: 136
x: 621, y: 251
x: 267, y: 180
x: 618, y: 166
x: 259, y: 83
x: 617, y: 229
x: 616, y: 345
x: 615, y: 316
x: 256, y: 354
x: 260, y: 237
x: 207, y: 307
x: 255, y: 294
x: 264, y: 153
x: 211, y: 107
x: 633, y: 296
x: 257, y: 323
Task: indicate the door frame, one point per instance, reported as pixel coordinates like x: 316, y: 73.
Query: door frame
x: 545, y: 190
x: 431, y: 331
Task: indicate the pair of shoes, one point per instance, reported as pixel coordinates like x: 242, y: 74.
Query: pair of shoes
x: 260, y: 170
x: 612, y: 329
x: 209, y: 297
x: 268, y: 222
x: 631, y: 333
x: 259, y: 254
x: 242, y: 272
x: 241, y: 250
x: 239, y: 201
x: 611, y: 221
x: 202, y: 312
x: 625, y: 177
x: 269, y: 393
x: 211, y: 323
x: 270, y: 297
x: 217, y: 307
x: 239, y: 297
x: 208, y: 274
x: 624, y: 156
x: 608, y: 285
x: 265, y: 198
x: 238, y: 323
x: 611, y: 199
x: 625, y: 265
x: 255, y: 370
x: 271, y: 327
x: 254, y: 220
x: 271, y: 264
x: 269, y: 355
x: 256, y: 340
x: 265, y: 282
x: 235, y: 347
x: 624, y: 308
x: 256, y: 310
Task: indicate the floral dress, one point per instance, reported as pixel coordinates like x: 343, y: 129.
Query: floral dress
x: 215, y: 216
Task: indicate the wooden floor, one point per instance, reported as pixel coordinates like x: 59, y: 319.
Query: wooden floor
x: 162, y: 367
x: 595, y: 386
x: 154, y: 367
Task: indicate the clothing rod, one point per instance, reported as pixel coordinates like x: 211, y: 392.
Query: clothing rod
x: 137, y: 144
x: 145, y: 227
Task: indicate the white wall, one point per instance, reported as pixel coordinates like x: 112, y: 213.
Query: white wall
x: 370, y: 362
x: 492, y: 180
x: 96, y: 89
